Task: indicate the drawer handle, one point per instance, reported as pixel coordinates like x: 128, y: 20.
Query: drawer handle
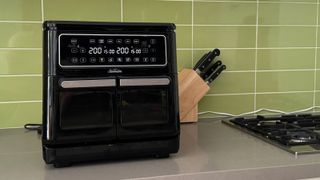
x: 145, y: 82
x: 88, y: 83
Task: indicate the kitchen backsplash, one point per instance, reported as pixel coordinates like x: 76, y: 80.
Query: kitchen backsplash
x: 270, y: 48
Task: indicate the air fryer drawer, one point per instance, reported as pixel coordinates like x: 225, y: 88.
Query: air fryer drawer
x: 143, y: 107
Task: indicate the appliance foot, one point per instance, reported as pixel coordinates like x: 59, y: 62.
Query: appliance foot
x: 61, y: 165
x: 160, y: 156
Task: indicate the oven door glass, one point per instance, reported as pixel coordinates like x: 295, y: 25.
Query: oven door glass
x: 144, y: 108
x: 85, y: 109
x: 85, y: 106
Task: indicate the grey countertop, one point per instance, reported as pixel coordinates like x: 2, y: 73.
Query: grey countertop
x: 209, y: 149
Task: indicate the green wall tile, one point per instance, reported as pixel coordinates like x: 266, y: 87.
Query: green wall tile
x: 234, y: 104
x: 318, y: 80
x: 184, y: 36
x: 285, y: 102
x: 234, y: 59
x: 16, y: 115
x: 307, y: 1
x: 318, y: 58
x: 93, y: 10
x: 20, y: 62
x: 224, y: 13
x: 235, y: 82
x: 20, y: 35
x: 15, y: 10
x: 223, y: 36
x: 286, y: 36
x: 317, y: 98
x: 157, y: 11
x: 284, y: 81
x: 286, y: 14
x: 184, y: 59
x: 275, y: 59
x: 20, y: 88
x: 246, y: 1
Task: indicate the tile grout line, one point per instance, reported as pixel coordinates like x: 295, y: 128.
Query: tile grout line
x: 248, y: 25
x: 42, y: 11
x: 260, y: 93
x: 315, y: 58
x: 22, y: 49
x: 256, y: 59
x: 251, y: 2
x: 121, y: 10
x: 26, y: 22
x: 20, y: 75
x: 249, y: 48
x: 192, y: 18
x: 234, y: 71
x: 19, y: 102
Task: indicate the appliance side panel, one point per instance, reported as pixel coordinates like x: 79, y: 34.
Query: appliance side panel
x: 49, y: 72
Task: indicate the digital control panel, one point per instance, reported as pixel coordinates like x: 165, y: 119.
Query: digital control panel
x: 112, y: 50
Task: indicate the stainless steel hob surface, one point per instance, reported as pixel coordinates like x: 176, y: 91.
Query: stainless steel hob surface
x: 295, y: 133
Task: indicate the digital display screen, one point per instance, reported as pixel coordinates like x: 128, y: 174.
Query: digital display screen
x: 112, y: 50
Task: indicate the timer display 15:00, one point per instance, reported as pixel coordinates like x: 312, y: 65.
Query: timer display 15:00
x: 119, y: 50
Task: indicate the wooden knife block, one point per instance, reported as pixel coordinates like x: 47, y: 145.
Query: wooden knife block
x: 191, y: 90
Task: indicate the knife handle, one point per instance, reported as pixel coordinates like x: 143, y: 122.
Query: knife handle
x: 211, y: 69
x: 207, y: 60
x: 216, y: 74
x: 200, y: 61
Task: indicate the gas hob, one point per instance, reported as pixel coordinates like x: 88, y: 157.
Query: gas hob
x: 296, y: 133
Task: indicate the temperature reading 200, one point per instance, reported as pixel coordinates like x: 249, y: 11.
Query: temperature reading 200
x: 119, y: 50
x: 123, y: 50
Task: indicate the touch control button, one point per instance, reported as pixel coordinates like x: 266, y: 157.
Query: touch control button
x: 74, y: 60
x: 74, y: 41
x: 136, y: 59
x: 83, y: 60
x: 127, y: 41
x: 109, y: 41
x: 153, y: 59
x: 74, y: 50
x: 136, y: 41
x: 145, y: 59
x: 153, y: 41
x: 118, y: 41
x: 144, y: 50
x: 93, y: 60
x: 82, y: 50
x: 101, y: 41
x: 128, y: 59
x: 110, y: 59
x: 144, y: 43
x: 119, y: 59
x: 102, y: 60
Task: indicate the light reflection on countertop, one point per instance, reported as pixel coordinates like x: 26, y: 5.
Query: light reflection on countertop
x: 208, y: 149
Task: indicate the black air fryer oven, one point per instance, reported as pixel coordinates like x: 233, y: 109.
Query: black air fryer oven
x: 109, y: 91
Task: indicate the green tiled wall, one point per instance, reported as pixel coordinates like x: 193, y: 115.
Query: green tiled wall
x: 269, y: 46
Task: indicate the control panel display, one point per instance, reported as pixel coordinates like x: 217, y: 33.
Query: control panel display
x: 112, y: 50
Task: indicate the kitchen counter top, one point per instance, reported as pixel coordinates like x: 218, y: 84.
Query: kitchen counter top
x: 209, y: 149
